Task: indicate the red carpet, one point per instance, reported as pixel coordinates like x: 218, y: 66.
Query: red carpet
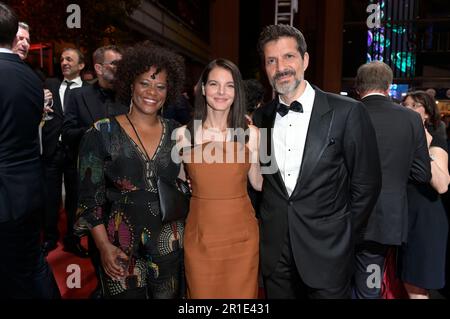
x: 63, y: 265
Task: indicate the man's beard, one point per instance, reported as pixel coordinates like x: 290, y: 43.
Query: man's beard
x: 109, y: 77
x: 286, y: 88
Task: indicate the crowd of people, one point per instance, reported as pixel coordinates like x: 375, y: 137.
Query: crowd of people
x: 305, y: 194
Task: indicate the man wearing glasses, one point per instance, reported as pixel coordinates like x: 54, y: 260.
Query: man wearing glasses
x: 89, y: 104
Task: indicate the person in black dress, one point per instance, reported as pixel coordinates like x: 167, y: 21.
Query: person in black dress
x: 120, y: 159
x: 423, y: 256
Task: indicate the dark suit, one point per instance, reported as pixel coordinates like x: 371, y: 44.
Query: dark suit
x: 404, y: 155
x: 59, y: 161
x: 86, y: 106
x: 23, y: 271
x: 338, y: 184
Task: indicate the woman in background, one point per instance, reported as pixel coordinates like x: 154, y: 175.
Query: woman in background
x: 423, y: 256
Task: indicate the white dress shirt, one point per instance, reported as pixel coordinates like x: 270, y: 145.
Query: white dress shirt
x: 289, y: 137
x: 62, y: 89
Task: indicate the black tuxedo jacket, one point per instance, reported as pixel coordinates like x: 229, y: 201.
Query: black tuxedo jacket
x: 52, y: 129
x: 337, y: 187
x: 21, y: 104
x: 86, y: 106
x: 404, y: 155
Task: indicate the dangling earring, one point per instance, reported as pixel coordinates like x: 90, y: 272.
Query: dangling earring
x: 131, y: 105
x: 131, y: 99
x: 203, y: 89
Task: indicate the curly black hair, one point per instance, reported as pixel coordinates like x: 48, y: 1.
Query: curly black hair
x: 139, y: 59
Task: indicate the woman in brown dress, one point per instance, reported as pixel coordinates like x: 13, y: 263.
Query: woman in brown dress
x: 220, y: 153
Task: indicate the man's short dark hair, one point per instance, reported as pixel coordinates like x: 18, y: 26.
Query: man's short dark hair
x: 78, y: 52
x: 275, y: 32
x: 373, y: 76
x: 99, y: 54
x: 8, y: 26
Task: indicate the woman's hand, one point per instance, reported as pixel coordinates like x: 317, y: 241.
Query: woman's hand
x: 111, y: 256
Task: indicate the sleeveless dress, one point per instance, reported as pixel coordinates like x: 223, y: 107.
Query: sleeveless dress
x: 423, y: 257
x: 221, y: 237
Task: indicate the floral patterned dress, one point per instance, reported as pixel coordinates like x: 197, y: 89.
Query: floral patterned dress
x: 118, y: 188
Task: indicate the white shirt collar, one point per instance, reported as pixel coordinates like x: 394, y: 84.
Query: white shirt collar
x: 77, y: 81
x: 5, y: 50
x: 306, y: 99
x: 375, y: 93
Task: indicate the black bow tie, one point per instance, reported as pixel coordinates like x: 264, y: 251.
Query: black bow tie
x: 294, y: 107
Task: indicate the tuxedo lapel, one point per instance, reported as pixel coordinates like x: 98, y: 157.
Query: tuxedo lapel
x: 317, y: 138
x: 58, y: 104
x: 268, y: 124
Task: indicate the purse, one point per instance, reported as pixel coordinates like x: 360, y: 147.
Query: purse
x: 174, y: 198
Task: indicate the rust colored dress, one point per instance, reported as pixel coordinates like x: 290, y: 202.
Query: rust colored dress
x: 221, y: 239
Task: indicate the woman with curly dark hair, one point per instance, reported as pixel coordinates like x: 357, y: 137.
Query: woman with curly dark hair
x: 120, y: 159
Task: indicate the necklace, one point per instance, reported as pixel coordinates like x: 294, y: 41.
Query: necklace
x: 138, y: 137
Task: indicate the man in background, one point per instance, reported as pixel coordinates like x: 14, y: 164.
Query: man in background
x: 403, y: 155
x: 59, y: 162
x: 22, y: 42
x: 89, y: 104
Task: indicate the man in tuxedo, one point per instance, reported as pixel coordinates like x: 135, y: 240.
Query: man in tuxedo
x: 404, y: 156
x: 59, y: 162
x: 321, y: 182
x: 24, y: 273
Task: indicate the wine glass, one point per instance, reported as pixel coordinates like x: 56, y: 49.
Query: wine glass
x: 48, y: 102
